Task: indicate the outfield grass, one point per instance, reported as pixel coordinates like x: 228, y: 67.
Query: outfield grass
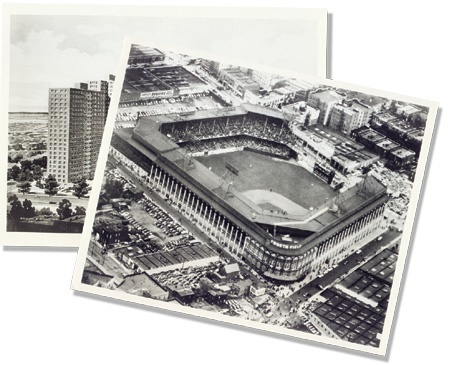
x: 257, y: 171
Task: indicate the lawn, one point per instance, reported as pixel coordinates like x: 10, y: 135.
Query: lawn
x: 258, y: 171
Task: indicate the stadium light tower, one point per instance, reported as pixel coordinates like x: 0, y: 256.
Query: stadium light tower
x: 229, y: 177
x: 289, y: 118
x: 193, y: 144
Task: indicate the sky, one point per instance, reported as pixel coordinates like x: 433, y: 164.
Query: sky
x: 59, y: 50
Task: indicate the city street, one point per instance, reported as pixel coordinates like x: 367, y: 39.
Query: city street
x: 349, y: 264
x: 225, y: 95
x: 282, y: 309
x: 107, y: 263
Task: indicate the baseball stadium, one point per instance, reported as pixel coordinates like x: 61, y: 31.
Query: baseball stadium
x: 234, y: 173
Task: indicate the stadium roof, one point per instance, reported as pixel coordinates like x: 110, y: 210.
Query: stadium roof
x: 148, y: 130
x: 148, y: 122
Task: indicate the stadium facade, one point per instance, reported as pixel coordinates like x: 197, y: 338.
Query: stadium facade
x: 284, y: 246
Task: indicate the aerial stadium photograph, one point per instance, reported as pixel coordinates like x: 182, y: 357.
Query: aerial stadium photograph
x: 281, y: 203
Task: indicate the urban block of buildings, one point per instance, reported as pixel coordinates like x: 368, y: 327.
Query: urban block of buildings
x: 354, y: 310
x: 348, y: 116
x: 394, y: 153
x: 238, y: 81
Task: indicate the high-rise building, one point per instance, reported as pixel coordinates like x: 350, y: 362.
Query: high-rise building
x: 75, y: 128
x: 348, y: 116
x: 324, y: 100
x: 111, y: 81
x: 213, y: 66
x: 238, y: 81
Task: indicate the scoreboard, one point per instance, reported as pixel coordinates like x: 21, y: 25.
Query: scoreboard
x: 324, y: 173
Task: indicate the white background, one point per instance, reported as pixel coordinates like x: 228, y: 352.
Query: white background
x: 396, y: 46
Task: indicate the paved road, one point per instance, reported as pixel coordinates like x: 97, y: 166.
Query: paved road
x: 40, y: 200
x: 349, y: 264
x: 106, y: 261
x: 224, y: 94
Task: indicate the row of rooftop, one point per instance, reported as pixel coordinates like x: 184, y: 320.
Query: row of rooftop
x: 336, y: 110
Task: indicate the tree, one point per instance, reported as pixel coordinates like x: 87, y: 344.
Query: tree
x: 25, y: 175
x: 28, y: 209
x: 80, y: 210
x: 26, y: 165
x: 13, y: 199
x: 16, y: 210
x: 37, y: 174
x: 15, y: 159
x: 45, y: 211
x: 40, y: 146
x: 64, y: 209
x: 418, y: 120
x: 41, y: 161
x: 80, y: 189
x: 113, y: 188
x: 393, y: 107
x: 24, y: 187
x: 17, y: 147
x: 13, y: 172
x: 307, y: 119
x: 51, y: 185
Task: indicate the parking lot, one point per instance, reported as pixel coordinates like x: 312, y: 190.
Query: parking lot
x: 129, y: 111
x: 151, y: 223
x: 185, y: 278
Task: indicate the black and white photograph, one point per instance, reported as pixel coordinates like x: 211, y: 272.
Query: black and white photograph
x: 104, y: 303
x: 62, y: 61
x: 266, y: 199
